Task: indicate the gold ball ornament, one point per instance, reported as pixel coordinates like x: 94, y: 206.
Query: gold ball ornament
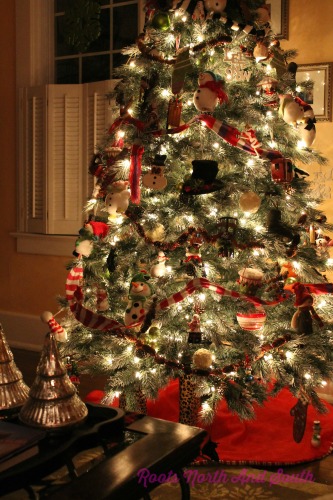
x: 157, y: 233
x: 249, y: 202
x: 202, y: 359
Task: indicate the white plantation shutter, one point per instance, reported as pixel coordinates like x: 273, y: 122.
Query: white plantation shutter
x: 65, y: 155
x: 33, y: 158
x: 60, y: 127
x: 98, y: 119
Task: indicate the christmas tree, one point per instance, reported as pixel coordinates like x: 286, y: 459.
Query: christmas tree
x: 203, y: 253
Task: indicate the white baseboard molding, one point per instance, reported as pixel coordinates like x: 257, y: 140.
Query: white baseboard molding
x: 23, y: 331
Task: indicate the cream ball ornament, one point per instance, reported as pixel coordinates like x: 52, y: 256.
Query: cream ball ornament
x: 202, y: 359
x: 249, y: 202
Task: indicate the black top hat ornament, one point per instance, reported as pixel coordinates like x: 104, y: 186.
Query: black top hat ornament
x: 203, y: 179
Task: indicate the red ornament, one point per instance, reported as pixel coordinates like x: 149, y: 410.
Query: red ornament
x: 251, y: 321
x: 282, y: 170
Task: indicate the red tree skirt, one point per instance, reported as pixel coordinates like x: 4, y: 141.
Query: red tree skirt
x: 266, y: 440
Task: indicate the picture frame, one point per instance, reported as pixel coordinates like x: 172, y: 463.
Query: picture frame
x: 279, y: 13
x: 319, y: 97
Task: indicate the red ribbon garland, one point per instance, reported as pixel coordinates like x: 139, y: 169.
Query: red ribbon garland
x: 135, y: 172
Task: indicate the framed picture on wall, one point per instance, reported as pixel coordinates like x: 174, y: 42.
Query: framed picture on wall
x: 279, y: 13
x: 319, y: 96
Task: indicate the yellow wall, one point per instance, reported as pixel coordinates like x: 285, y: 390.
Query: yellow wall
x: 28, y: 283
x: 311, y: 34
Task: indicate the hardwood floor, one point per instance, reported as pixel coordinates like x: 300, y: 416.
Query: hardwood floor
x: 27, y: 362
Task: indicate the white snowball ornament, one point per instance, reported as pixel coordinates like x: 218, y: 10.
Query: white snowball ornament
x: 202, y: 359
x: 117, y: 199
x: 249, y: 202
x: 210, y: 92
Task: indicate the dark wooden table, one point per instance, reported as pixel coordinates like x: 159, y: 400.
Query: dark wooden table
x: 165, y: 446
x: 131, y: 443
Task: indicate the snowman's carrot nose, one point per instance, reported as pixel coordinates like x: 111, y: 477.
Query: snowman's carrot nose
x: 135, y: 284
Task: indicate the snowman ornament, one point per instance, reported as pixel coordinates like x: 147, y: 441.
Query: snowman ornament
x: 155, y: 179
x: 158, y: 269
x: 117, y: 199
x: 139, y: 291
x: 210, y: 92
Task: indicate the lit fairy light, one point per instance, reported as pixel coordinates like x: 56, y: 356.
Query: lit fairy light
x: 213, y: 212
x: 268, y: 357
x: 205, y: 406
x: 269, y: 115
x: 189, y: 102
x: 153, y: 370
x: 136, y: 360
x: 259, y: 229
x: 229, y: 54
x: 243, y: 221
x: 216, y: 145
x: 256, y: 253
x: 323, y: 383
x: 130, y: 111
x: 126, y: 163
x: 184, y: 19
x: 296, y: 265
x: 138, y: 375
x: 209, y: 322
x: 289, y: 355
x: 132, y: 64
x: 117, y: 394
x: 272, y: 144
x: 211, y: 52
x: 109, y: 360
x: 200, y: 38
x: 321, y: 304
x: 212, y: 389
x: 229, y: 76
x: 307, y: 376
x: 202, y: 296
x: 152, y: 216
x: 168, y: 269
x: 250, y: 162
x: 235, y: 214
x: 268, y: 68
x: 329, y: 262
x: 301, y: 144
x: 191, y: 300
x: 298, y: 88
x: 165, y: 93
x: 129, y: 348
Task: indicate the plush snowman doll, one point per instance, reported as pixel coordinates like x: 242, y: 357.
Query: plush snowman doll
x: 210, y: 92
x: 158, y: 269
x: 307, y: 129
x: 117, y: 199
x: 139, y: 291
x: 214, y: 8
x: 290, y: 110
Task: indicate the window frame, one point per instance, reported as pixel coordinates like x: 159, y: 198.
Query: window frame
x: 35, y: 67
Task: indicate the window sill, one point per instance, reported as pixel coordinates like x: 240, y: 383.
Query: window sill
x: 44, y: 244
